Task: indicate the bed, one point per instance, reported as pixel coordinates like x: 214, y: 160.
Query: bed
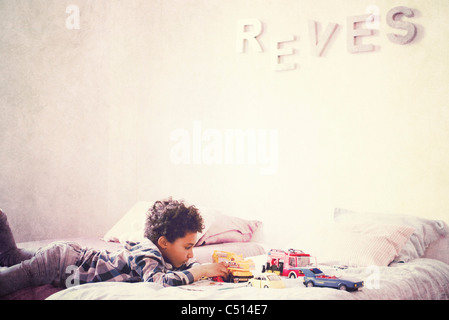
x: 399, y: 257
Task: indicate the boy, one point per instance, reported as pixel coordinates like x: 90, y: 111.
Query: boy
x: 165, y: 258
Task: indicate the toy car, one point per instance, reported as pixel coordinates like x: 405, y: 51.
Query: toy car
x: 239, y: 268
x: 266, y: 280
x: 287, y: 263
x: 316, y: 277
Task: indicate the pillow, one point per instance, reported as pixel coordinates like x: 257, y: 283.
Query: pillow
x: 426, y: 231
x: 229, y: 229
x: 218, y: 228
x: 361, y: 245
x: 131, y: 226
x: 438, y: 250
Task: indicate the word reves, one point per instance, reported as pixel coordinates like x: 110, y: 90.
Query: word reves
x: 250, y: 30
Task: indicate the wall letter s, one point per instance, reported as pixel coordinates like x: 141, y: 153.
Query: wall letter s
x: 393, y: 20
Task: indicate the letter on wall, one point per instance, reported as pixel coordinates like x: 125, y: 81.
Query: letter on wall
x: 354, y: 33
x: 319, y: 43
x: 393, y: 20
x: 278, y: 52
x: 247, y: 31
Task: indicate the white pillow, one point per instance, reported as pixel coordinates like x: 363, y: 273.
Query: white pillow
x: 426, y: 231
x: 360, y: 245
x: 131, y: 226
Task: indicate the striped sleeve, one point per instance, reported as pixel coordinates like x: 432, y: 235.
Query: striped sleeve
x: 150, y: 265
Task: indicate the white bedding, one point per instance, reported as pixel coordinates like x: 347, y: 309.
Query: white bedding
x: 426, y: 279
x: 398, y: 257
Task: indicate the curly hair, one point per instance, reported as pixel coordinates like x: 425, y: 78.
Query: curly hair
x: 171, y: 219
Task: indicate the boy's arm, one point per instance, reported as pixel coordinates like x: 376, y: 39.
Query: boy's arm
x: 170, y: 278
x: 153, y: 271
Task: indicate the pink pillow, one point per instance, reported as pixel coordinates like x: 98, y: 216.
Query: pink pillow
x: 228, y: 229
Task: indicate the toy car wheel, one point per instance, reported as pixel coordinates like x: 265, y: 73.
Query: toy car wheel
x: 292, y: 275
x: 310, y: 284
x: 266, y: 287
x: 249, y: 284
x: 342, y: 287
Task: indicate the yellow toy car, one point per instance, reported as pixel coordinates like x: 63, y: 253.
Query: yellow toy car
x: 239, y: 268
x: 266, y: 280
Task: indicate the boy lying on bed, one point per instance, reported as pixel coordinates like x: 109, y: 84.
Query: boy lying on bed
x: 165, y: 258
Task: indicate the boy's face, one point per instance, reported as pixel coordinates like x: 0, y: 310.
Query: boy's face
x: 179, y: 251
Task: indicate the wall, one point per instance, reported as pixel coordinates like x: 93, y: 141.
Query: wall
x: 144, y: 99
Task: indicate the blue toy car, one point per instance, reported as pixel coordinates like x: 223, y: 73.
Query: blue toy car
x: 315, y: 277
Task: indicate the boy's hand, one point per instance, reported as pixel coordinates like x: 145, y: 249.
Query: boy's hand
x: 210, y: 270
x: 216, y: 270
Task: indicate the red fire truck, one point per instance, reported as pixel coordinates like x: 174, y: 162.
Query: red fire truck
x: 287, y: 263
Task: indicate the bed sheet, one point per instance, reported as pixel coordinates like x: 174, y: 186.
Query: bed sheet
x: 420, y: 279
